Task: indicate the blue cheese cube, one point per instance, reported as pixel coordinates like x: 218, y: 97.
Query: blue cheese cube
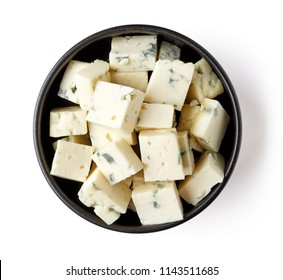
x: 205, y: 83
x: 117, y: 161
x: 157, y: 202
x: 169, y: 51
x: 115, y: 106
x: 108, y: 201
x: 195, y: 145
x: 71, y: 161
x: 108, y: 215
x: 136, y: 80
x: 155, y: 116
x: 86, y: 80
x: 187, y: 116
x: 208, y: 172
x: 161, y: 155
x: 133, y: 53
x: 186, y: 152
x: 65, y: 121
x: 101, y: 136
x: 138, y: 177
x: 68, y: 87
x: 210, y: 124
x: 169, y: 83
x: 79, y: 139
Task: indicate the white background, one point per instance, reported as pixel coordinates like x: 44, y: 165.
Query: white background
x: 241, y: 232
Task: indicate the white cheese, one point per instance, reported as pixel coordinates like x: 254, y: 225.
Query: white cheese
x: 133, y: 53
x: 128, y: 181
x: 101, y: 136
x: 169, y: 51
x: 115, y: 106
x: 109, y: 201
x: 65, y: 121
x: 117, y: 161
x: 188, y: 114
x: 68, y: 88
x: 195, y: 145
x: 108, y: 215
x: 71, y: 161
x: 136, y: 80
x: 138, y: 177
x: 155, y: 116
x: 186, y: 153
x: 79, y: 139
x: 208, y: 172
x: 157, y: 202
x: 87, y: 78
x: 169, y: 83
x: 187, y: 117
x: 161, y: 155
x: 210, y: 124
x: 205, y: 83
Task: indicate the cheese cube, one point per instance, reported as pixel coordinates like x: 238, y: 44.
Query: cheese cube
x: 101, y: 136
x: 71, y: 161
x: 208, y: 172
x: 210, y: 124
x: 169, y: 51
x: 161, y: 155
x: 188, y: 114
x: 186, y: 153
x: 115, y: 106
x: 136, y: 80
x: 169, y: 83
x: 205, y: 83
x: 133, y: 53
x: 87, y: 78
x: 65, y: 121
x: 108, y: 215
x: 187, y: 117
x: 157, y: 203
x: 68, y: 88
x: 117, y: 161
x: 195, y: 145
x: 108, y: 201
x: 138, y: 177
x: 79, y: 139
x: 155, y: 116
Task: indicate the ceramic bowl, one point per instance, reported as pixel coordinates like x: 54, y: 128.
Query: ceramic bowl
x: 97, y: 46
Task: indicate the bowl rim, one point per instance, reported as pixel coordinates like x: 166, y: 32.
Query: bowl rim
x: 132, y: 29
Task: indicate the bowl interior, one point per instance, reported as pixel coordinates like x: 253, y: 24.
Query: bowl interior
x: 97, y: 46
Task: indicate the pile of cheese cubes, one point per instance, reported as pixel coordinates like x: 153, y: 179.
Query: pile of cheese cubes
x: 121, y: 138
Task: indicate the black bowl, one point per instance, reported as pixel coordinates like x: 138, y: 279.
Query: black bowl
x: 98, y: 46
